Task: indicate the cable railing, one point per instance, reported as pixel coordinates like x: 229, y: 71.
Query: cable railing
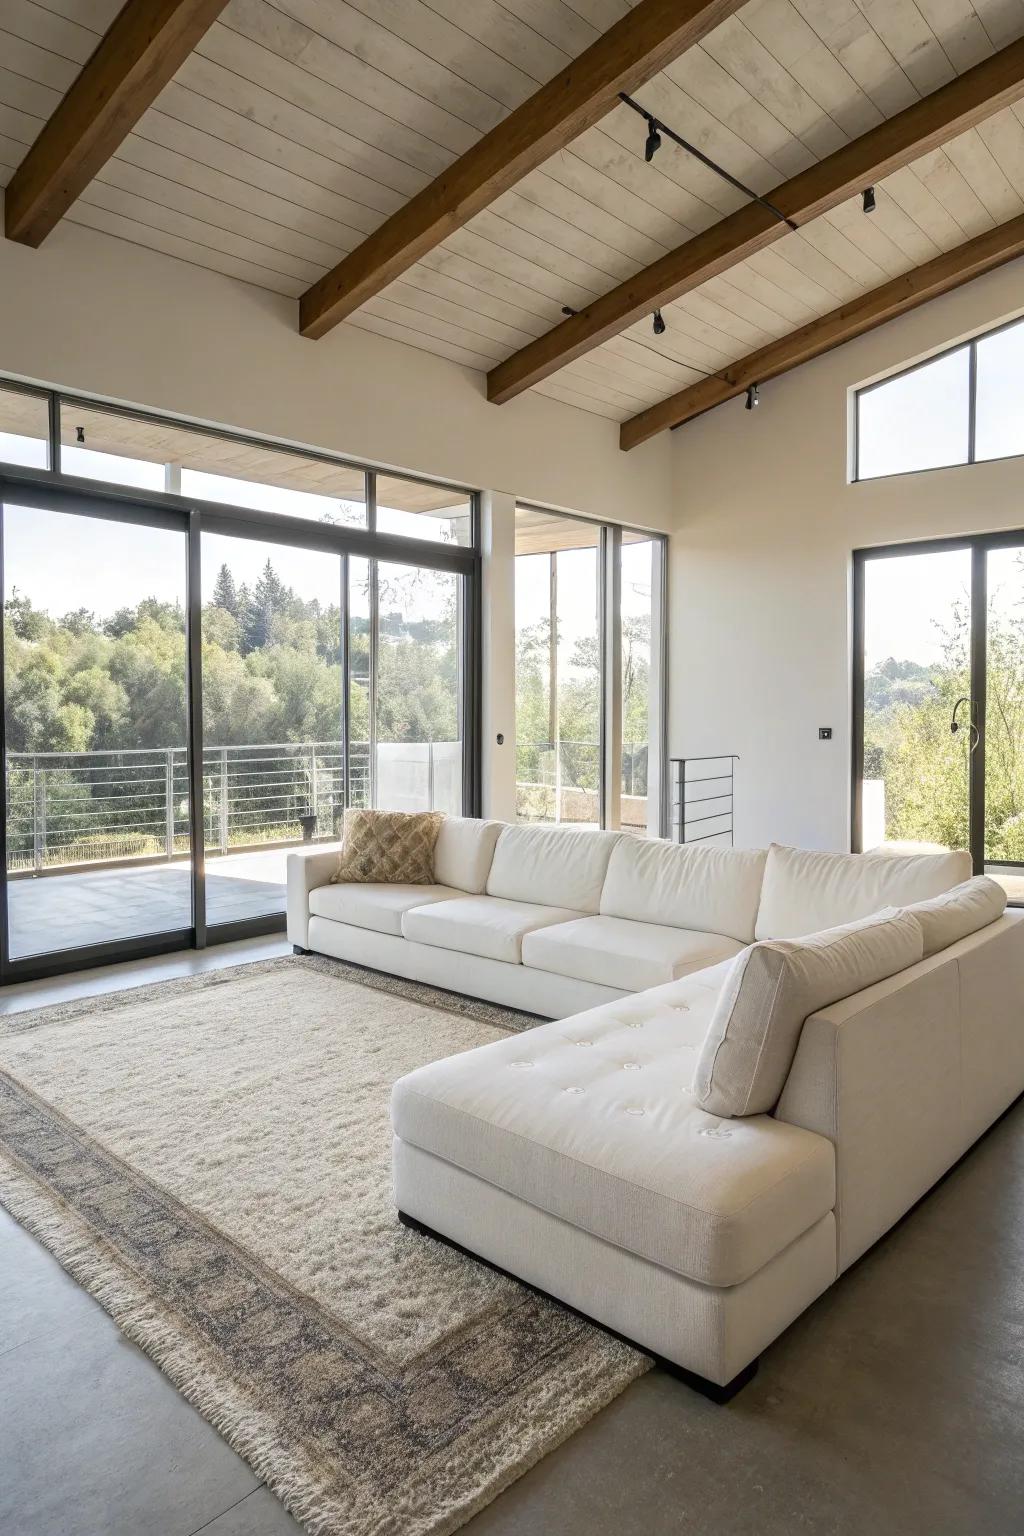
x: 76, y: 808
x: 96, y: 808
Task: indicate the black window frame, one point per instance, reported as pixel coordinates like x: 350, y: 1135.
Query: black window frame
x: 971, y: 347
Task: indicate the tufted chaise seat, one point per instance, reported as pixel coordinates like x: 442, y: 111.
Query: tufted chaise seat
x: 592, y: 1120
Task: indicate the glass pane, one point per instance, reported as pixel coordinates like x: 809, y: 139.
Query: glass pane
x: 916, y: 421
x: 95, y: 700
x: 558, y: 669
x: 422, y: 511
x: 162, y: 456
x: 418, y: 690
x: 1004, y: 722
x: 273, y: 767
x: 640, y: 724
x: 24, y: 429
x: 1000, y: 411
x: 917, y: 619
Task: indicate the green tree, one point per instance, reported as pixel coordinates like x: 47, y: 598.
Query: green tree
x: 225, y: 593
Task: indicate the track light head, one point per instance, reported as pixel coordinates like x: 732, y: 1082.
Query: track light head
x: 567, y: 309
x: 753, y: 398
x: 659, y: 323
x: 653, y: 141
x: 868, y: 196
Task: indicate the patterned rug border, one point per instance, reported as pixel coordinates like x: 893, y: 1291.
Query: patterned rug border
x: 511, y: 1019
x: 150, y: 1320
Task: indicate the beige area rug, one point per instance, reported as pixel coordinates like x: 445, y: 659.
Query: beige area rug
x: 210, y: 1158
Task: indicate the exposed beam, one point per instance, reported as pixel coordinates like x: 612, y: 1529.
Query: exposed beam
x: 147, y: 43
x: 653, y: 34
x: 943, y: 273
x: 983, y: 90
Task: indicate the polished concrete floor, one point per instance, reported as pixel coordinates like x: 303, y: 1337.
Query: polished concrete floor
x: 895, y: 1407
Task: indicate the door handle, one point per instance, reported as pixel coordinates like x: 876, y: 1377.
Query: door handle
x: 954, y: 724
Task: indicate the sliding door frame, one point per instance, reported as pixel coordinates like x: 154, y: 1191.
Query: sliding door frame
x: 49, y: 490
x: 979, y: 546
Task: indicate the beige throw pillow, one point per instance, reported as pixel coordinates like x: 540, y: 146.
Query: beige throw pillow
x: 388, y: 847
x: 773, y: 987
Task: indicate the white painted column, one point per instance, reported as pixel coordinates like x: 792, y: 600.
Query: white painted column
x: 497, y: 516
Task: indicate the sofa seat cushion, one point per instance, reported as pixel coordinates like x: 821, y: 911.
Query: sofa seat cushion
x: 380, y: 907
x: 591, y: 1119
x: 480, y: 925
x: 616, y: 952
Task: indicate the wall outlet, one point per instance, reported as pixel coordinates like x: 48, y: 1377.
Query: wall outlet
x: 824, y: 733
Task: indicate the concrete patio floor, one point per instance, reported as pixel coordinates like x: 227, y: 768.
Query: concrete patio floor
x: 66, y: 911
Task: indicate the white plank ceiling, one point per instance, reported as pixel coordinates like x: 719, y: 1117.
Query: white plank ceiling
x: 297, y: 126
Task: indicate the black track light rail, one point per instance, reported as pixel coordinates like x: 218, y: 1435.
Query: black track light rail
x: 656, y: 126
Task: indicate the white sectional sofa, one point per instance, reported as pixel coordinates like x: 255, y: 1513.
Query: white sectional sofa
x: 577, y: 1156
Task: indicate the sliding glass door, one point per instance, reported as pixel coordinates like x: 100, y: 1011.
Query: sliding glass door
x: 273, y: 731
x: 559, y: 665
x: 1003, y: 719
x: 95, y: 676
x: 939, y: 701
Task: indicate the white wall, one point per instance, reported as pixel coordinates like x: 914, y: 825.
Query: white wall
x: 96, y: 314
x: 761, y: 561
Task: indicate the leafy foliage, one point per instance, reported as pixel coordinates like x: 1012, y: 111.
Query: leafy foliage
x: 908, y: 743
x: 272, y: 673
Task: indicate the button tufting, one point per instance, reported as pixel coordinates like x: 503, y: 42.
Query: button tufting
x: 584, y: 1042
x: 520, y: 1063
x: 631, y: 1066
x: 716, y: 1131
x: 573, y: 1090
x: 632, y: 1110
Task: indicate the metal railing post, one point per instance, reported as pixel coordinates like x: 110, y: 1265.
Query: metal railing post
x: 313, y: 787
x: 37, y: 822
x: 223, y: 799
x: 430, y: 775
x: 169, y: 802
x: 558, y: 781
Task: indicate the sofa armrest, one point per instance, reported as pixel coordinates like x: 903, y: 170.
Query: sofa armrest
x: 905, y: 1075
x: 306, y: 871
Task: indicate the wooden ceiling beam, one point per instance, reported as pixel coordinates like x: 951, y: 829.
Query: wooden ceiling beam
x: 944, y: 273
x: 653, y: 34
x: 147, y: 43
x: 983, y: 90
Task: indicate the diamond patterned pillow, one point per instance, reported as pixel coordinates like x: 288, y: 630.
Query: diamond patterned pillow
x: 388, y: 847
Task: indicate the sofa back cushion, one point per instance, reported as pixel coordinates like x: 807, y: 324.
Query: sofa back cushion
x: 463, y: 853
x: 710, y: 890
x: 952, y: 916
x: 559, y: 866
x: 805, y: 891
x: 773, y: 987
